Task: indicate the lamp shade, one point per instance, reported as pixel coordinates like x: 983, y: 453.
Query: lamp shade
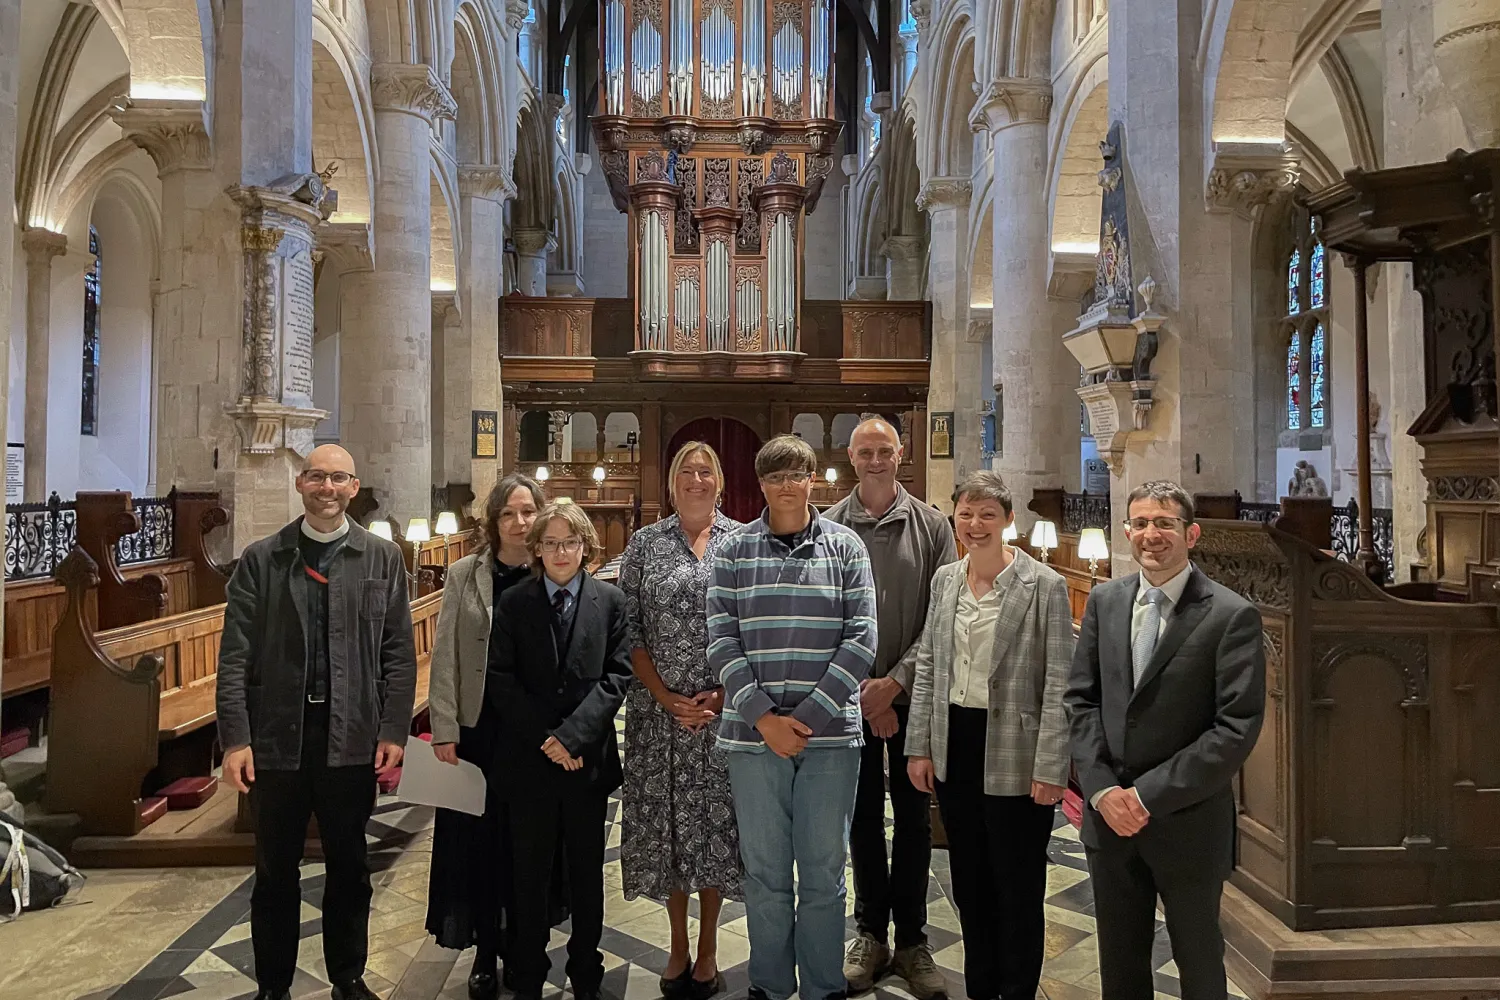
x: 541, y: 474
x: 1092, y: 544
x: 1044, y: 535
x: 417, y: 531
x: 447, y: 523
x: 1011, y: 532
x: 831, y: 475
x: 381, y: 529
x: 599, y: 473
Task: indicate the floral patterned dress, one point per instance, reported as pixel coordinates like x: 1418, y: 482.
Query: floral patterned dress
x: 678, y: 830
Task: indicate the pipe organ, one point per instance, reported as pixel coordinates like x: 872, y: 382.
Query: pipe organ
x: 716, y: 140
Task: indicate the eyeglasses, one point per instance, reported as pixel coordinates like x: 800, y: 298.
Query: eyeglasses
x: 1163, y: 523
x: 782, y: 478
x: 317, y: 477
x: 568, y: 545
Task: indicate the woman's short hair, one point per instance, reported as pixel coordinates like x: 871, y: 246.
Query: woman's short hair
x: 686, y: 452
x: 984, y: 485
x: 785, y: 453
x: 578, y: 523
x: 499, y: 497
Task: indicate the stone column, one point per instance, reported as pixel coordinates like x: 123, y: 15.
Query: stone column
x: 903, y: 268
x: 483, y: 191
x: 10, y: 44
x: 1035, y: 377
x: 1466, y: 48
x: 956, y: 375
x: 40, y: 246
x: 450, y: 367
x: 386, y: 343
x: 532, y: 246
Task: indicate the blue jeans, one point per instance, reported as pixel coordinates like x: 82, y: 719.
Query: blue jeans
x: 795, y: 810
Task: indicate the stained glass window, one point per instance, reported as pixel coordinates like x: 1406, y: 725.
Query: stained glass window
x: 90, y: 422
x: 1317, y: 276
x: 1294, y: 382
x: 1293, y: 280
x: 1316, y: 369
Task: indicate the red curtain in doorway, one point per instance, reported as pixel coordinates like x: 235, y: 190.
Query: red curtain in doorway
x: 736, y: 445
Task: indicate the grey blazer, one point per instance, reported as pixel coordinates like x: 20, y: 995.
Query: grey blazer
x: 460, y: 654
x: 1027, y: 736
x: 1180, y: 736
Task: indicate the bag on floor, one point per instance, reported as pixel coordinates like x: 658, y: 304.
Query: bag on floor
x: 33, y: 875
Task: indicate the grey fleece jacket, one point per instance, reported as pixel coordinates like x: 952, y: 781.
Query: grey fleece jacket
x: 907, y: 544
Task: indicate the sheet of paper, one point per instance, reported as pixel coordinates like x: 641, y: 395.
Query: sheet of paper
x: 427, y: 781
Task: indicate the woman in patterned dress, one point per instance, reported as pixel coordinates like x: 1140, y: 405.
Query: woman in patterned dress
x: 678, y: 831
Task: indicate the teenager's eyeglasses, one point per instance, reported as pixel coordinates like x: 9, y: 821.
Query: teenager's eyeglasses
x: 568, y: 545
x: 782, y: 478
x: 1162, y: 523
x: 316, y: 477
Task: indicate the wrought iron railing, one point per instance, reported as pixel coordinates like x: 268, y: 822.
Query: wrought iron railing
x: 1085, y: 510
x: 38, y: 536
x: 1345, y: 530
x: 1265, y: 513
x: 154, y: 540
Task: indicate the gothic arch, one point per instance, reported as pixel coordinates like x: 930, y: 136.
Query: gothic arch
x: 342, y: 127
x: 1248, y: 54
x: 476, y: 81
x: 411, y: 31
x: 1072, y: 183
x: 533, y: 205
x: 948, y: 142
x: 981, y: 244
x: 904, y: 181
x: 447, y: 235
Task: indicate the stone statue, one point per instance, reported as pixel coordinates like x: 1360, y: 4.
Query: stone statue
x: 1374, y: 411
x: 1306, y: 482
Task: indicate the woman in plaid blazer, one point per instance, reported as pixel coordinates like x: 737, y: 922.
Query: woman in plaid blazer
x: 988, y: 734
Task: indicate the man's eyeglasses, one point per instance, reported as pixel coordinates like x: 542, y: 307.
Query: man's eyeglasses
x: 317, y: 477
x: 782, y: 478
x: 1162, y: 523
x: 568, y: 545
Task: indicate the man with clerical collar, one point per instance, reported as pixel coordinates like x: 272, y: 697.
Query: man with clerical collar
x: 316, y: 681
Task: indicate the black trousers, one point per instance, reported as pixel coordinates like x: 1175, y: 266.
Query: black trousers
x: 997, y: 852
x: 342, y: 798
x: 573, y: 823
x: 899, y: 893
x: 1125, y: 889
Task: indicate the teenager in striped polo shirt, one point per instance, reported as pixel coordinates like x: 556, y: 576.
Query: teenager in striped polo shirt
x: 791, y: 625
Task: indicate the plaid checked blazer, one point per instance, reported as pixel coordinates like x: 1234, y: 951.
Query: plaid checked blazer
x: 1027, y: 737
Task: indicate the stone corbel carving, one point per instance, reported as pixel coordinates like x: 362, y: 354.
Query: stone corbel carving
x: 266, y: 427
x: 486, y: 181
x: 1118, y: 387
x: 905, y: 248
x: 1011, y: 102
x: 415, y: 89
x: 921, y: 12
x: 170, y: 131
x: 944, y: 192
x: 1245, y: 176
x: 515, y: 14
x: 350, y: 243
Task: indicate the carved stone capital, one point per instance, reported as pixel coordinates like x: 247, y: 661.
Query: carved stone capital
x: 1010, y: 102
x: 267, y: 427
x: 902, y: 248
x: 515, y: 14
x: 171, y: 132
x: 350, y: 243
x: 413, y: 89
x: 921, y: 12
x: 41, y: 245
x: 532, y: 242
x: 489, y: 182
x: 1466, y: 49
x: 1245, y: 176
x: 944, y: 192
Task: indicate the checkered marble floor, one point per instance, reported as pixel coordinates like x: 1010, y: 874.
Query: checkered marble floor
x: 212, y: 960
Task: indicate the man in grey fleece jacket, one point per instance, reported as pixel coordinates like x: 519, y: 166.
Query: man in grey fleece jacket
x: 907, y: 541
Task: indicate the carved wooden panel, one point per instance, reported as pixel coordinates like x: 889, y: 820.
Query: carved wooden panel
x: 748, y: 175
x: 546, y: 327
x: 1458, y: 318
x: 884, y: 330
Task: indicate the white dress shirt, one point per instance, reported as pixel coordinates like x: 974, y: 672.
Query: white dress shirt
x: 1173, y: 589
x: 974, y: 639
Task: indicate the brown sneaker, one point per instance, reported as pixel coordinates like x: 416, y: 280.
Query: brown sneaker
x: 923, y: 977
x: 865, y: 962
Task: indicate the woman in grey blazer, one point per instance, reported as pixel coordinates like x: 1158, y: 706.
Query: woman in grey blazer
x: 988, y: 734
x: 470, y: 871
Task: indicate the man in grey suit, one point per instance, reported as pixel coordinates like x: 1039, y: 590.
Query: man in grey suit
x: 1164, y: 704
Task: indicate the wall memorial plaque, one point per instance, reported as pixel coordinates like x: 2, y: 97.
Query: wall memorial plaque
x: 486, y: 434
x: 941, y: 437
x: 15, y: 473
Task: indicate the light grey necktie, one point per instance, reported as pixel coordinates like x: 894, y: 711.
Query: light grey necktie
x: 1144, y: 645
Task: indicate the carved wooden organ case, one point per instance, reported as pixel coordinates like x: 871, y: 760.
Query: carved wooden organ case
x: 716, y: 139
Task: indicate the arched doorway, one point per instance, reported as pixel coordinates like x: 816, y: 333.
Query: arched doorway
x: 736, y: 444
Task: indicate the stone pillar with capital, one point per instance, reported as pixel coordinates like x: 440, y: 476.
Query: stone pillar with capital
x: 532, y: 247
x: 483, y: 191
x: 1034, y: 375
x: 40, y: 246
x: 385, y: 346
x: 956, y: 362
x: 903, y: 267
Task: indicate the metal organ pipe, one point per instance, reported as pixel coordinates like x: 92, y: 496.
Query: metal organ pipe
x: 753, y: 92
x: 614, y: 56
x: 787, y: 65
x: 781, y: 265
x: 718, y: 55
x: 718, y: 296
x: 820, y: 52
x: 645, y: 57
x: 747, y: 308
x: 682, y: 57
x: 654, y: 284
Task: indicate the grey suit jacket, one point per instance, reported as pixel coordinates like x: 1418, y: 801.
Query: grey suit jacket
x: 1181, y: 735
x: 1027, y: 735
x: 460, y: 654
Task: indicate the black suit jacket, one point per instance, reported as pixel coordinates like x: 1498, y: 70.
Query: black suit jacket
x: 1180, y: 736
x: 576, y: 700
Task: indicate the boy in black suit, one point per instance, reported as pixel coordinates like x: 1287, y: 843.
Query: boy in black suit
x: 558, y: 669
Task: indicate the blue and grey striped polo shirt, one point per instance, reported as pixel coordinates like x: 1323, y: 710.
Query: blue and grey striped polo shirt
x: 792, y: 631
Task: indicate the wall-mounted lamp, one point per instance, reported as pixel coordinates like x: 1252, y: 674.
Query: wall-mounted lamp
x: 1043, y: 537
x: 1093, y: 546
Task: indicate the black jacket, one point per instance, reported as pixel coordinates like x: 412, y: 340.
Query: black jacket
x: 576, y: 701
x: 1181, y: 736
x: 372, y: 675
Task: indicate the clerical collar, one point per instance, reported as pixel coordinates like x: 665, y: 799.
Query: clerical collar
x: 325, y: 536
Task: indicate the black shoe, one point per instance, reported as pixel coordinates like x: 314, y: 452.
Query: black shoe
x: 483, y: 986
x: 678, y: 988
x: 274, y: 995
x: 590, y: 993
x: 356, y: 990
x: 508, y: 978
x: 702, y: 989
x: 756, y: 993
